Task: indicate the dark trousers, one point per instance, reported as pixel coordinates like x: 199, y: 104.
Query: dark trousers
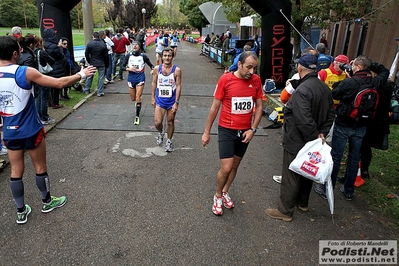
x: 55, y: 96
x: 294, y: 190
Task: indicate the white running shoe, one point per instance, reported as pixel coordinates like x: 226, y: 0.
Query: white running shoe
x: 217, y: 205
x: 160, y: 138
x: 227, y: 202
x: 168, y: 145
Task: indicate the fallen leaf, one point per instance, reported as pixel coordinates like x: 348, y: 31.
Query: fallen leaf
x: 243, y: 202
x: 312, y: 220
x: 390, y: 196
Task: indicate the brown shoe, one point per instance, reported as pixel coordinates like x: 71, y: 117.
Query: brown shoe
x: 304, y: 209
x: 276, y: 214
x: 57, y: 106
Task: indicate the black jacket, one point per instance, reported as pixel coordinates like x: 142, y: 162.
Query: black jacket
x: 346, y: 91
x: 28, y: 58
x: 97, y: 53
x: 52, y: 48
x: 140, y: 38
x: 308, y: 113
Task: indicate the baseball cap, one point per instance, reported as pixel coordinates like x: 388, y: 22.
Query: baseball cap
x: 308, y: 61
x: 397, y: 39
x: 342, y: 59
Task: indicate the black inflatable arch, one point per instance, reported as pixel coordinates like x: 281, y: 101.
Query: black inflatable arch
x: 54, y: 14
x: 276, y: 47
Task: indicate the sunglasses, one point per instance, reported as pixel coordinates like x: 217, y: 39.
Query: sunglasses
x: 64, y: 43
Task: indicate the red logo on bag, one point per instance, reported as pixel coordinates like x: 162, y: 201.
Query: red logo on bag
x: 315, y: 157
x: 309, y: 168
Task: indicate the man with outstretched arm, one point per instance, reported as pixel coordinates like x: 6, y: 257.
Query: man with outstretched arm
x: 22, y: 127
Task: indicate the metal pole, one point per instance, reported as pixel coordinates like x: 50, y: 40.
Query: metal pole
x: 281, y: 11
x: 87, y: 20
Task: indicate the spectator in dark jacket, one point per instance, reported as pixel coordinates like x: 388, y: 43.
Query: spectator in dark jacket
x: 43, y: 96
x: 28, y: 57
x: 97, y: 55
x: 346, y: 129
x: 207, y: 39
x: 69, y: 69
x: 140, y: 38
x: 308, y: 115
x: 55, y: 51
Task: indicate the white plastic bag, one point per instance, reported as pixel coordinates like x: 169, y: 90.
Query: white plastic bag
x: 313, y: 161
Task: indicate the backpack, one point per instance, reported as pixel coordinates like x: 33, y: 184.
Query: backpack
x: 364, y: 106
x: 323, y: 61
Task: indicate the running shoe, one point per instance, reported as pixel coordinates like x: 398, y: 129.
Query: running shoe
x: 227, y: 202
x: 136, y: 120
x: 49, y: 121
x: 277, y: 178
x: 346, y: 196
x: 22, y: 217
x: 168, y: 145
x: 160, y: 138
x: 3, y: 151
x: 217, y: 205
x: 54, y: 203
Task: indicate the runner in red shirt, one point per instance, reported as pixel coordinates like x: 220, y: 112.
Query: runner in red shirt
x: 237, y: 93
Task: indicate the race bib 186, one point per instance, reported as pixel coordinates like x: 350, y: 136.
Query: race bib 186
x: 165, y: 92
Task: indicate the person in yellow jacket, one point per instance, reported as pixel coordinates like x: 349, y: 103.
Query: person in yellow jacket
x: 334, y: 73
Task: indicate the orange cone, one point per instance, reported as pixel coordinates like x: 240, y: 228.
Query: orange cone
x: 359, y: 180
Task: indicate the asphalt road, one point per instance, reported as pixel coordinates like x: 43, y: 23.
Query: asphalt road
x: 131, y: 203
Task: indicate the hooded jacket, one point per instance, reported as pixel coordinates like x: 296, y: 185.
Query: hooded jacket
x: 52, y: 48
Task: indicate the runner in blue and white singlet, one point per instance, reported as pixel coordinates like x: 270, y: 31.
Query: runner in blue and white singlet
x: 174, y: 39
x: 135, y: 62
x: 17, y: 104
x: 22, y: 127
x: 165, y: 96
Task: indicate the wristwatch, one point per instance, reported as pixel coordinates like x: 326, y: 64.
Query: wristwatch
x: 253, y: 130
x: 177, y: 102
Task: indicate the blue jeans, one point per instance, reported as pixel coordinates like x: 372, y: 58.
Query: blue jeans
x: 121, y: 58
x: 341, y: 135
x: 100, y: 86
x: 108, y: 71
x: 42, y: 102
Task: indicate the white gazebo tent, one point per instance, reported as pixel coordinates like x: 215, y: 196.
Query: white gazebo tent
x: 214, y: 13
